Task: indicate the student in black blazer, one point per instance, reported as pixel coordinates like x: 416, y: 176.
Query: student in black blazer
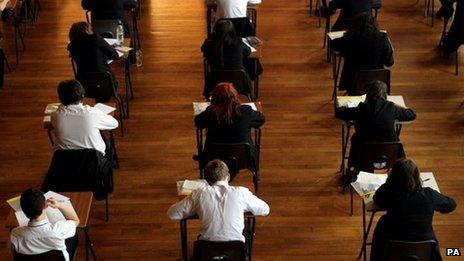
x: 364, y: 48
x: 374, y: 120
x: 455, y: 35
x: 410, y: 208
x: 109, y: 9
x: 225, y: 51
x: 349, y: 9
x: 226, y: 119
x: 90, y: 51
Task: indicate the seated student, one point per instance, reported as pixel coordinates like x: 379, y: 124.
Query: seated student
x: 446, y: 9
x: 39, y: 236
x: 364, y: 48
x: 90, y: 51
x: 228, y: 223
x: 226, y: 119
x: 77, y: 126
x: 236, y: 12
x: 349, y: 9
x: 110, y: 9
x: 455, y: 36
x: 374, y: 120
x: 225, y: 51
x: 409, y: 206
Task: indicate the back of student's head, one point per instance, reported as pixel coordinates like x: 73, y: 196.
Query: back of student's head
x: 225, y: 102
x: 363, y: 24
x: 32, y: 203
x: 376, y: 90
x: 224, y: 31
x: 78, y: 29
x: 216, y: 170
x: 405, y: 176
x: 70, y: 92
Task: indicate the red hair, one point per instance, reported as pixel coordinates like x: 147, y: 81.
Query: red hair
x: 225, y: 102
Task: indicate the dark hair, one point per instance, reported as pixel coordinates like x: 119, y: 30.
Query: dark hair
x: 78, y: 29
x: 225, y: 102
x: 376, y: 90
x: 362, y: 25
x: 405, y: 176
x: 70, y: 92
x: 224, y: 33
x: 32, y: 203
x: 216, y: 170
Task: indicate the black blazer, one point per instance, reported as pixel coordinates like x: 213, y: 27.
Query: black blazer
x: 238, y: 131
x: 91, y: 53
x: 409, y: 216
x: 233, y: 54
x: 455, y: 36
x: 349, y: 9
x: 108, y: 9
x: 375, y: 121
x: 362, y: 53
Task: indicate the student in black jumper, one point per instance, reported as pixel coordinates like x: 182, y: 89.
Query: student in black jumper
x: 225, y: 51
x: 349, y: 10
x: 374, y: 120
x: 364, y: 48
x: 410, y: 208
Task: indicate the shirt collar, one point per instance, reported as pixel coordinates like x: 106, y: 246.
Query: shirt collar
x: 222, y: 183
x: 38, y: 223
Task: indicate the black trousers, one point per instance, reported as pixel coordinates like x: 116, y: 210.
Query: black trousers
x: 71, y: 246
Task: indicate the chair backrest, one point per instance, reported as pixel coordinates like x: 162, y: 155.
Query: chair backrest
x: 379, y: 155
x: 79, y: 170
x: 106, y: 28
x: 52, y: 255
x: 237, y: 156
x: 98, y: 85
x: 408, y: 251
x: 238, y: 77
x: 212, y: 250
x: 364, y: 77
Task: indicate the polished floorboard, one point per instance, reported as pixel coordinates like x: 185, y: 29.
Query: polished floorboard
x: 309, y: 217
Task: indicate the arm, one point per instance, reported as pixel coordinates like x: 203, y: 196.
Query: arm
x: 334, y: 5
x: 254, y: 204
x: 182, y: 209
x: 257, y: 119
x: 129, y: 4
x: 382, y: 196
x: 201, y: 120
x: 105, y: 122
x: 87, y: 4
x: 246, y: 50
x: 106, y: 49
x: 254, y: 2
x: 387, y: 52
x: 339, y: 44
x: 404, y: 114
x: 67, y: 212
x: 442, y: 203
x: 347, y: 114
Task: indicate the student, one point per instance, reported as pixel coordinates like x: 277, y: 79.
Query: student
x: 227, y: 120
x: 228, y: 223
x: 110, y: 9
x: 90, y: 51
x: 364, y: 47
x: 78, y: 126
x: 349, y: 9
x: 374, y: 120
x: 236, y: 12
x: 225, y: 51
x: 409, y: 206
x: 40, y: 236
x: 455, y: 36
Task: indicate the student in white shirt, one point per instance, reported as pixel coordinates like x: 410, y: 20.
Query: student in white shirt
x: 236, y: 12
x: 78, y: 126
x: 220, y: 207
x: 39, y: 236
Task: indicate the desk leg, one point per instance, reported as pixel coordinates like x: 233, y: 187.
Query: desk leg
x: 183, y: 239
x: 128, y: 83
x: 113, y: 148
x: 363, y: 246
x: 252, y: 223
x: 433, y: 13
x: 88, y: 245
x: 256, y: 81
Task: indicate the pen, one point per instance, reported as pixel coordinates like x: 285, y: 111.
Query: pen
x: 427, y: 179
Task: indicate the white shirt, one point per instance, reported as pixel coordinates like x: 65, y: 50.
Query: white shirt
x: 78, y: 127
x: 220, y: 209
x: 41, y: 236
x: 233, y: 8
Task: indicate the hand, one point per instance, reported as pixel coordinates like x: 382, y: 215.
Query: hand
x: 51, y: 202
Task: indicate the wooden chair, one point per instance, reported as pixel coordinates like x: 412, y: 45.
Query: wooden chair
x: 106, y: 28
x: 410, y: 251
x: 218, y: 250
x: 442, y: 38
x: 102, y: 87
x: 377, y: 156
x: 239, y: 78
x: 52, y: 255
x: 363, y: 77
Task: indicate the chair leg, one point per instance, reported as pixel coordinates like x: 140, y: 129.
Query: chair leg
x: 351, y: 200
x: 107, y: 217
x: 120, y: 105
x: 456, y: 66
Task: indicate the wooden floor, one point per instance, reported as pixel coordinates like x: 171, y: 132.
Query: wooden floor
x: 301, y: 139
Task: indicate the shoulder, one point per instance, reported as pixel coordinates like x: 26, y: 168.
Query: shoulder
x: 64, y: 225
x: 18, y: 232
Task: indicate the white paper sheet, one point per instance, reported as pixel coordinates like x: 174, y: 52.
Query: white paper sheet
x: 104, y: 108
x: 199, y: 107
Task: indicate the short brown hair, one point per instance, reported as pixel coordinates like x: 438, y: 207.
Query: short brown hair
x: 405, y: 175
x: 78, y: 29
x: 216, y: 170
x: 32, y: 203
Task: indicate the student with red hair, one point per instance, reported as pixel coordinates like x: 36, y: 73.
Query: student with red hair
x: 226, y: 119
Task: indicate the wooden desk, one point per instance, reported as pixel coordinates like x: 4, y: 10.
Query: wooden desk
x: 368, y: 205
x: 250, y: 222
x: 82, y: 203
